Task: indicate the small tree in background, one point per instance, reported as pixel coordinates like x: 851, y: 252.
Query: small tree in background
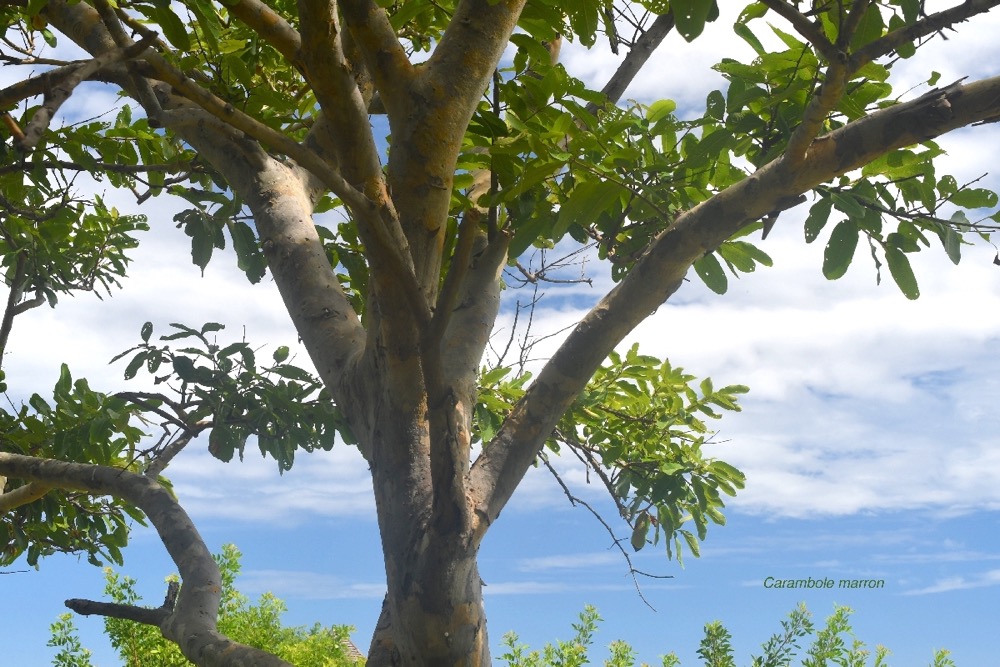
x: 258, y: 625
x: 833, y: 644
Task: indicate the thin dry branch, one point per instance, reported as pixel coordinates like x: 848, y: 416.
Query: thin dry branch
x: 64, y: 85
x: 616, y: 541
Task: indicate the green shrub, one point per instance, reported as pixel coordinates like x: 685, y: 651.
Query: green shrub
x: 259, y: 625
x: 834, y: 645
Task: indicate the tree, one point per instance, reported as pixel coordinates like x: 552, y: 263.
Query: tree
x: 256, y: 625
x: 828, y: 646
x: 258, y: 115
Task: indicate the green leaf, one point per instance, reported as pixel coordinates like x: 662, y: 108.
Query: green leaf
x: 974, y: 198
x: 819, y: 213
x: 173, y: 28
x: 715, y: 105
x: 249, y: 257
x: 280, y: 354
x: 586, y: 202
x: 848, y: 205
x: 692, y: 542
x: 660, y: 109
x: 754, y: 10
x: 690, y: 16
x: 712, y: 274
x: 146, y: 332
x: 839, y: 251
x: 902, y: 272
x: 64, y: 383
x: 952, y: 242
x: 583, y: 16
x: 134, y: 365
x: 184, y: 367
x: 744, y: 31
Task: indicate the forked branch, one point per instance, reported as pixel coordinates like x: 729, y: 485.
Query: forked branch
x: 192, y: 622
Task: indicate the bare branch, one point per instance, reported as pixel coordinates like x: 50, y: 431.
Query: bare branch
x: 615, y: 540
x: 67, y: 81
x: 145, y: 615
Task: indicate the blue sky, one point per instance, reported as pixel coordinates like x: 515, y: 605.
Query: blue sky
x: 869, y: 440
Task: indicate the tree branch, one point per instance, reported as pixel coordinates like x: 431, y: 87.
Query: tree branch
x: 59, y: 93
x: 268, y: 136
x: 831, y: 91
x: 353, y: 143
x: 192, y: 623
x: 810, y: 31
x: 270, y: 25
x: 661, y: 271
x: 472, y: 44
x: 926, y: 26
x: 380, y: 47
x: 615, y: 540
x: 22, y: 495
x: 145, y: 615
x: 144, y: 91
x: 637, y: 56
x: 174, y: 168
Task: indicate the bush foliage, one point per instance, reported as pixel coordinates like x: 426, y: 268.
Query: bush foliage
x: 833, y: 645
x: 257, y: 625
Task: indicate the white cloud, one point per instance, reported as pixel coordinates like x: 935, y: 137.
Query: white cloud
x: 958, y: 583
x: 327, y: 484
x: 547, y: 587
x: 307, y: 585
x: 568, y: 561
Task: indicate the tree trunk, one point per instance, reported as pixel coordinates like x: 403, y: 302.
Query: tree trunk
x: 433, y: 612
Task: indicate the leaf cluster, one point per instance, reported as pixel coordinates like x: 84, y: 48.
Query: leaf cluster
x: 81, y: 425
x: 52, y: 244
x: 254, y: 624
x: 222, y: 388
x: 640, y: 426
